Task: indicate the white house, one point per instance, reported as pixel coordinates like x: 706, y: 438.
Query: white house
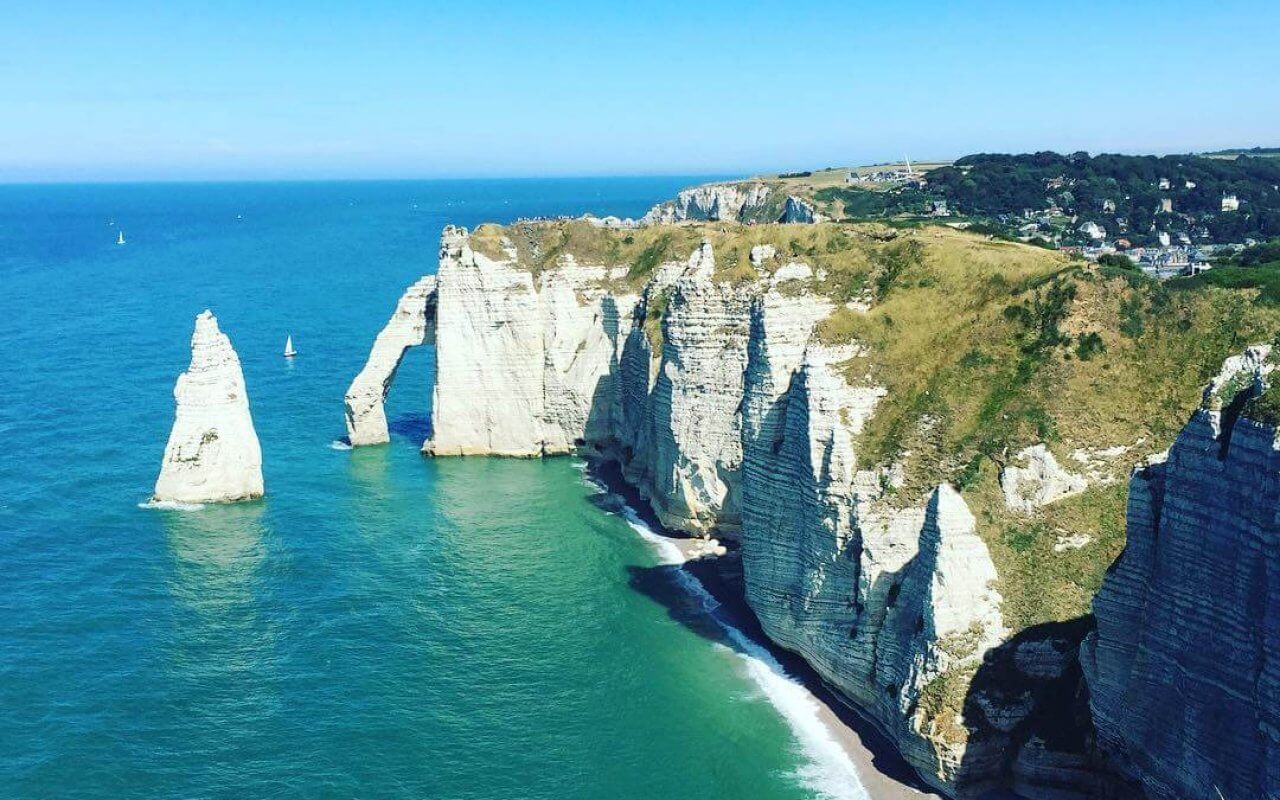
x: 1094, y: 231
x: 1230, y: 202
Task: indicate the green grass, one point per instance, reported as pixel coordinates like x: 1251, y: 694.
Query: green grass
x: 984, y: 347
x: 540, y: 245
x: 1265, y: 278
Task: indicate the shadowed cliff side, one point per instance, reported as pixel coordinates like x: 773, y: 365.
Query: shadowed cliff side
x: 1184, y: 667
x: 917, y: 439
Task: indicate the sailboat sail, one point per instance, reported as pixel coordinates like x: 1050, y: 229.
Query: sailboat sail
x: 120, y: 238
x: 289, y: 352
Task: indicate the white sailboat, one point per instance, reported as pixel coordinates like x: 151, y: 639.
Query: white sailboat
x: 120, y: 237
x: 289, y: 352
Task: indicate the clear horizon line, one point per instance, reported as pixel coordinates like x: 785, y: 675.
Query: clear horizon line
x: 715, y: 174
x: 439, y: 179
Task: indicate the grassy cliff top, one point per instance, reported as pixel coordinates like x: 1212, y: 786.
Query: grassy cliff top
x: 846, y: 252
x: 985, y: 347
x: 988, y: 347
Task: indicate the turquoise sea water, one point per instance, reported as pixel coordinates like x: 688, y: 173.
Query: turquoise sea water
x: 381, y: 625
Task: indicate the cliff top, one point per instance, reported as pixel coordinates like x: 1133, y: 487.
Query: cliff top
x: 986, y: 348
x: 846, y: 254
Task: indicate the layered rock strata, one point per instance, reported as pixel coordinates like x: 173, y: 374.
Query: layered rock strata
x: 411, y: 324
x: 213, y: 453
x: 1184, y: 667
x: 524, y: 366
x: 714, y: 202
x: 727, y: 414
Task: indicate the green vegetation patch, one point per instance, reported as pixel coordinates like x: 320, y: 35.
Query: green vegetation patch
x: 1264, y: 278
x: 986, y: 348
x: 540, y: 245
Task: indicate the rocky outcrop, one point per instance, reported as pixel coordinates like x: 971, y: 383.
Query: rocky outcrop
x: 734, y: 419
x: 750, y: 201
x: 727, y: 414
x: 883, y: 601
x: 1040, y: 482
x: 687, y: 460
x: 1183, y: 669
x: 797, y: 210
x: 411, y: 324
x: 213, y: 453
x: 715, y: 202
x: 524, y: 366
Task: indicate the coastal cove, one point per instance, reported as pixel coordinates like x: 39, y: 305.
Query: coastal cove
x: 380, y: 623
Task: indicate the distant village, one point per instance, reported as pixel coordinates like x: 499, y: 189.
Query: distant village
x: 1179, y: 252
x: 1175, y: 252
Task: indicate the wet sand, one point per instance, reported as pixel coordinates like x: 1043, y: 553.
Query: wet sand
x: 884, y: 773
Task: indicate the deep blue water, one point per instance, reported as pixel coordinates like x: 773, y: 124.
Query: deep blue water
x: 381, y: 625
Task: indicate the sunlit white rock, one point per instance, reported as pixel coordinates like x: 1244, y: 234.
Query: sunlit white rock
x: 213, y: 453
x: 410, y: 325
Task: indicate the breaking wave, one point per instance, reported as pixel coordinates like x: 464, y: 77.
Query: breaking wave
x: 171, y: 505
x: 829, y: 773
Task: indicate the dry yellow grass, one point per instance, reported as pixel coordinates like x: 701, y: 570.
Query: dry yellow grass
x: 985, y: 347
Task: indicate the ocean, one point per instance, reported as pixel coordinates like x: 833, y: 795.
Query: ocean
x: 381, y: 625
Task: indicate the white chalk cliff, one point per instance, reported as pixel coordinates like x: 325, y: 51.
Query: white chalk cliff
x: 732, y: 418
x: 744, y: 201
x: 213, y: 453
x: 411, y: 324
x: 1184, y: 667
x: 727, y: 415
x: 715, y: 202
x: 524, y: 367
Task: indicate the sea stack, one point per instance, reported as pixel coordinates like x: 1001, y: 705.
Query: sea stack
x: 410, y: 325
x: 213, y: 455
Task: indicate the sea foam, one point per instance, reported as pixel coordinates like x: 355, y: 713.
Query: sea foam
x: 171, y: 505
x: 338, y: 444
x: 829, y: 773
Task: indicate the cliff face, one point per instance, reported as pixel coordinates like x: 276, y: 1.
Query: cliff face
x: 523, y: 368
x: 716, y: 379
x: 727, y: 415
x: 411, y: 324
x: 715, y: 202
x: 883, y: 601
x: 1184, y: 668
x: 734, y: 202
x: 213, y: 453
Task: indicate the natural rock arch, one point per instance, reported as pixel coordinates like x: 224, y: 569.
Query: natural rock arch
x: 413, y: 323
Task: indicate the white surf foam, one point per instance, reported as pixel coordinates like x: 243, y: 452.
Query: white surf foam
x: 171, y: 505
x: 830, y: 772
x: 338, y: 444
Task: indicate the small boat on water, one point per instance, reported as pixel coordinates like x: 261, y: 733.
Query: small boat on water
x: 120, y: 237
x: 289, y: 352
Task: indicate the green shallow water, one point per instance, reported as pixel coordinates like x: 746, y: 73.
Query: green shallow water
x: 381, y: 625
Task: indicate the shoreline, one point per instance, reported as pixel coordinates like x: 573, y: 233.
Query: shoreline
x: 881, y: 769
x: 883, y: 773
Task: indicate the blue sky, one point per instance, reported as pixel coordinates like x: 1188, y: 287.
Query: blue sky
x: 230, y: 90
